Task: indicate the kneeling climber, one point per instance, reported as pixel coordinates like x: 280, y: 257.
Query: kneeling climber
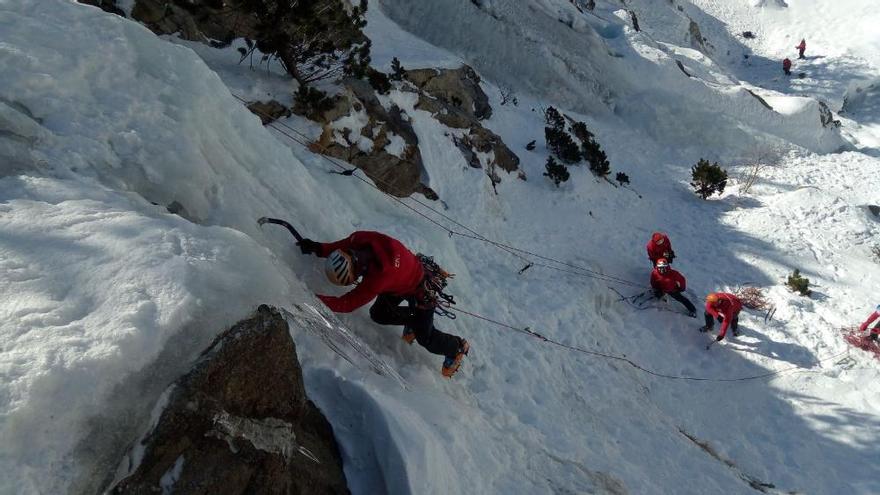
x: 666, y: 280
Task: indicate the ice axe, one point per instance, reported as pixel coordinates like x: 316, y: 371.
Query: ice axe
x: 282, y: 223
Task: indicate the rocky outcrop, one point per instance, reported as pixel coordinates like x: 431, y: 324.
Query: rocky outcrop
x: 379, y: 141
x: 454, y: 96
x: 826, y: 117
x: 105, y: 5
x: 268, y: 111
x: 698, y: 41
x: 455, y: 99
x: 196, y: 20
x: 239, y: 422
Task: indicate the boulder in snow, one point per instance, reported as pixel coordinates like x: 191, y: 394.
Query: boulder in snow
x: 239, y: 422
x: 379, y: 141
x: 453, y: 95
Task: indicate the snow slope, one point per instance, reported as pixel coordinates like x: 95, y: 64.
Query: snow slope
x: 108, y: 296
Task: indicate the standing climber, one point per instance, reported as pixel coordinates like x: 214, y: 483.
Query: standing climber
x: 725, y: 307
x: 659, y: 247
x: 875, y: 332
x: 786, y: 67
x: 392, y: 274
x: 666, y: 280
x: 801, y: 47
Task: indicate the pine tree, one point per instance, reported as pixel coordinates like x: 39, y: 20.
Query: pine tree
x: 554, y: 119
x: 798, y: 283
x: 580, y: 131
x: 556, y: 171
x: 311, y: 102
x: 562, y: 145
x: 397, y: 70
x: 379, y: 81
x: 597, y: 158
x: 708, y: 178
x: 313, y: 39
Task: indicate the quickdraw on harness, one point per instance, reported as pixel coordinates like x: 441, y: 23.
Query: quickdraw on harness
x: 431, y: 295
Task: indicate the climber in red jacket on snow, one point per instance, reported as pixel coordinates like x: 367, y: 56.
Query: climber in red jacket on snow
x: 786, y: 67
x: 391, y: 274
x: 665, y: 280
x: 875, y: 332
x: 725, y: 307
x: 801, y: 48
x: 659, y: 247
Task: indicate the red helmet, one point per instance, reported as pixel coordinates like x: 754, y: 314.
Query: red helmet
x: 658, y: 238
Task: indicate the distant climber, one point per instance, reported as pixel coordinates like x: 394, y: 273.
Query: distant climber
x: 666, y: 280
x: 725, y: 308
x: 875, y: 332
x: 392, y: 274
x: 786, y: 67
x: 801, y: 47
x: 659, y: 247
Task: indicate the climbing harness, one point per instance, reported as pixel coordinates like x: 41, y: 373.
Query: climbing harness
x: 430, y: 294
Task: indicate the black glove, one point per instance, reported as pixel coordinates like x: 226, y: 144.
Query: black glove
x: 308, y: 246
x: 720, y: 319
x: 719, y: 338
x: 671, y: 256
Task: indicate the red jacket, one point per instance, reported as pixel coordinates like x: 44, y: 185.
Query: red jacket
x: 393, y: 270
x: 786, y: 64
x: 802, y: 46
x: 671, y: 281
x: 727, y: 306
x: 873, y: 316
x: 657, y: 251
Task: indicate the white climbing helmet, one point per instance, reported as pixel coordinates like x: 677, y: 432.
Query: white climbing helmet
x: 662, y: 265
x: 339, y: 268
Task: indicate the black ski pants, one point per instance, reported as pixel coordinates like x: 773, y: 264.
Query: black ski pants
x: 678, y: 296
x: 388, y: 311
x: 734, y: 324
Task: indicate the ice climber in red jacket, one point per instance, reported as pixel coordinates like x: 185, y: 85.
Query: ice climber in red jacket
x: 665, y: 280
x: 391, y: 274
x: 725, y: 307
x: 875, y: 332
x: 786, y: 67
x: 659, y: 247
x: 802, y: 46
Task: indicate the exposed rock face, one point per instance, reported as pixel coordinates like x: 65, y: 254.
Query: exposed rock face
x: 452, y: 95
x: 826, y: 117
x: 268, y: 111
x: 240, y: 422
x: 455, y: 99
x: 697, y: 39
x: 196, y: 20
x: 385, y: 146
x: 105, y: 5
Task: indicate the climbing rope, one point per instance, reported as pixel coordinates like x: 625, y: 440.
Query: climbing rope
x: 528, y: 331
x: 467, y: 232
x: 522, y: 254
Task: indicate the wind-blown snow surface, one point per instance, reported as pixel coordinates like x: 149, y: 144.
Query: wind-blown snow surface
x: 106, y: 296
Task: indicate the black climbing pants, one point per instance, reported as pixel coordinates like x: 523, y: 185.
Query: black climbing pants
x: 733, y: 324
x: 678, y: 296
x: 388, y: 311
